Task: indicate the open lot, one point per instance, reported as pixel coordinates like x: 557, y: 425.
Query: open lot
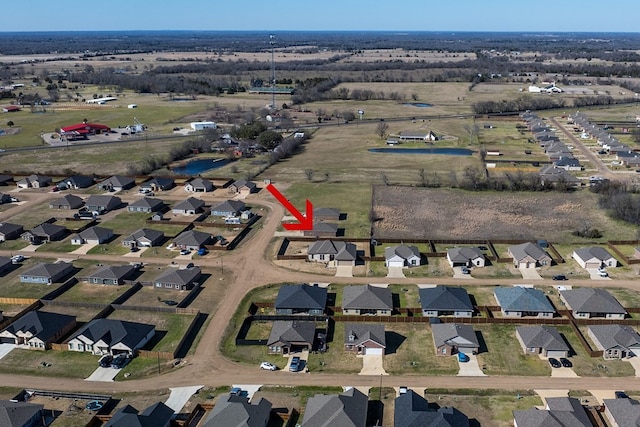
x: 92, y: 293
x: 68, y: 364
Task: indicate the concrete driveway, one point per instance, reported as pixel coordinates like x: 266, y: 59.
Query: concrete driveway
x: 136, y: 254
x: 395, y: 273
x: 470, y: 368
x: 635, y: 362
x: 83, y: 249
x: 6, y: 349
x: 594, y: 275
x: 530, y: 273
x: 344, y: 271
x: 103, y: 374
x: 563, y: 373
x: 458, y: 274
x: 372, y: 364
x: 180, y: 396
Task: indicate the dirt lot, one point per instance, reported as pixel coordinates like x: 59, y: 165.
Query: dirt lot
x: 406, y: 212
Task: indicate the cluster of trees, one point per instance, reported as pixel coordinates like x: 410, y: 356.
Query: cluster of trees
x: 619, y: 201
x: 525, y: 102
x: 151, y: 163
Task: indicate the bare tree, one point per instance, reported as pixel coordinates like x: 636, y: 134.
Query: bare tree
x: 381, y: 129
x: 309, y: 174
x: 473, y: 130
x: 384, y: 178
x: 423, y: 178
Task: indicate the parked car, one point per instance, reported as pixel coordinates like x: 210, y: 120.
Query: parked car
x: 120, y: 361
x: 560, y: 277
x: 105, y: 361
x: 565, y: 362
x: 16, y: 259
x: 294, y: 366
x: 603, y: 273
x: 463, y: 358
x: 268, y: 366
x: 621, y: 395
x: 202, y: 251
x: 171, y: 302
x: 185, y: 252
x: 237, y: 391
x: 465, y: 270
x: 555, y: 363
x: 403, y: 389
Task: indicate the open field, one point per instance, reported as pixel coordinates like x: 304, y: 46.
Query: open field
x: 67, y: 364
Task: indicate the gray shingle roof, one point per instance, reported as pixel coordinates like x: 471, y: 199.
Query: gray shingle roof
x: 114, y: 272
x: 229, y: 206
x: 348, y: 409
x: 362, y: 332
x: 113, y: 331
x: 562, y: 412
x: 626, y: 412
x: 47, y: 230
x: 17, y: 414
x: 325, y: 227
x: 156, y: 415
x: 148, y: 203
x: 117, y: 181
x: 147, y: 233
x: 292, y: 331
x: 41, y: 324
x: 445, y: 298
x: 96, y: 232
x: 593, y: 252
x: 403, y: 251
x: 592, y: 300
x: 445, y: 333
x: 544, y: 337
x: 49, y: 270
x: 412, y: 410
x: 106, y: 201
x: 236, y: 411
x: 190, y: 203
x: 367, y: 297
x: 519, y: 298
x: 527, y: 249
x: 612, y: 336
x: 201, y: 183
x: 179, y: 276
x: 192, y: 238
x: 70, y: 200
x: 301, y: 296
x: 464, y: 254
x: 8, y: 228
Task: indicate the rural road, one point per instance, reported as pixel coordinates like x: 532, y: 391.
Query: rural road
x: 252, y: 269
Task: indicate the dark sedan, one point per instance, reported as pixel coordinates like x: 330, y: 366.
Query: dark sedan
x: 566, y: 362
x: 555, y: 363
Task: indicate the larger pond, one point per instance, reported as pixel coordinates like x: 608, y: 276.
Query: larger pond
x: 196, y: 167
x: 441, y: 151
x: 418, y: 104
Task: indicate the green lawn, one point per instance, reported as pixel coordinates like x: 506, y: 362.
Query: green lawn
x: 70, y: 364
x: 410, y: 351
x: 91, y: 293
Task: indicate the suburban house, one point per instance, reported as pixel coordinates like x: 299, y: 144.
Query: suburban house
x: 117, y: 183
x: 559, y: 411
x: 190, y: 206
x: 445, y: 301
x: 34, y: 181
x: 10, y: 231
x: 146, y: 204
x: 5, y: 264
x: 4, y: 198
x: 158, y: 183
x: 235, y: 410
x: 68, y: 201
x: 335, y: 252
x: 93, y: 235
x: 520, y: 301
x: 622, y: 412
x: 401, y: 256
x: 291, y: 336
x: 594, y: 257
x: 101, y: 203
x: 110, y: 336
x: 36, y: 330
x: 586, y: 303
x: 544, y: 340
x: 157, y: 415
x: 76, y: 182
x: 144, y: 238
x: 47, y: 273
x: 452, y: 338
x: 6, y: 179
x: 528, y: 255
x: 228, y: 208
x: 322, y: 229
x: 551, y: 175
x: 183, y: 279
x: 301, y: 299
x: 465, y: 257
x: 367, y: 300
x: 21, y: 414
x: 199, y: 185
x: 417, y: 135
x: 44, y: 233
x: 326, y: 214
x: 364, y: 338
x: 243, y: 187
x: 332, y: 410
x: 112, y: 275
x: 411, y: 409
x: 193, y: 240
x: 616, y: 341
x: 568, y: 163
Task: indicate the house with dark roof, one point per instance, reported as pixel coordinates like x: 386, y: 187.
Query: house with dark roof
x: 520, y: 301
x: 34, y: 181
x: 5, y: 264
x: 402, y: 256
x: 322, y: 229
x: 158, y: 183
x: 36, y: 330
x: 190, y: 206
x: 110, y: 336
x: 559, y: 412
x: 301, y: 299
x: 193, y: 240
x: 144, y: 238
x: 47, y: 273
x: 348, y: 409
x: 92, y: 235
x: 622, y: 412
x: 334, y: 252
x: 445, y: 301
x: 102, y: 203
x: 5, y: 179
x: 542, y: 339
x: 291, y: 336
x: 452, y: 338
x: 76, y: 182
x: 568, y: 163
x: 199, y: 185
x: 586, y: 303
x: 367, y: 300
x: 413, y: 410
x: 234, y: 410
x: 594, y: 257
x: 183, y: 279
x: 20, y: 414
x: 364, y: 338
x: 10, y: 231
x: 4, y: 198
x: 117, y: 183
x: 616, y: 341
x: 68, y: 201
x: 44, y: 233
x: 112, y: 275
x: 528, y: 255
x: 228, y: 208
x: 156, y: 415
x: 466, y: 257
x: 145, y: 204
x: 326, y: 214
x: 243, y: 187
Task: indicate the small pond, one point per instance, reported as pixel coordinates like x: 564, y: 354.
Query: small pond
x: 196, y: 167
x: 418, y: 104
x: 441, y: 151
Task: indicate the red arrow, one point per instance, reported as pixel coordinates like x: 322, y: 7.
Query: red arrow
x: 306, y: 220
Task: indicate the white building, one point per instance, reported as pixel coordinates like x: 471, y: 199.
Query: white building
x: 203, y: 125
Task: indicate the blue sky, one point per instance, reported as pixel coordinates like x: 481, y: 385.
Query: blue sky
x: 383, y: 15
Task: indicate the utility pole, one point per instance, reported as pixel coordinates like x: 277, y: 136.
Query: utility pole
x: 272, y: 42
